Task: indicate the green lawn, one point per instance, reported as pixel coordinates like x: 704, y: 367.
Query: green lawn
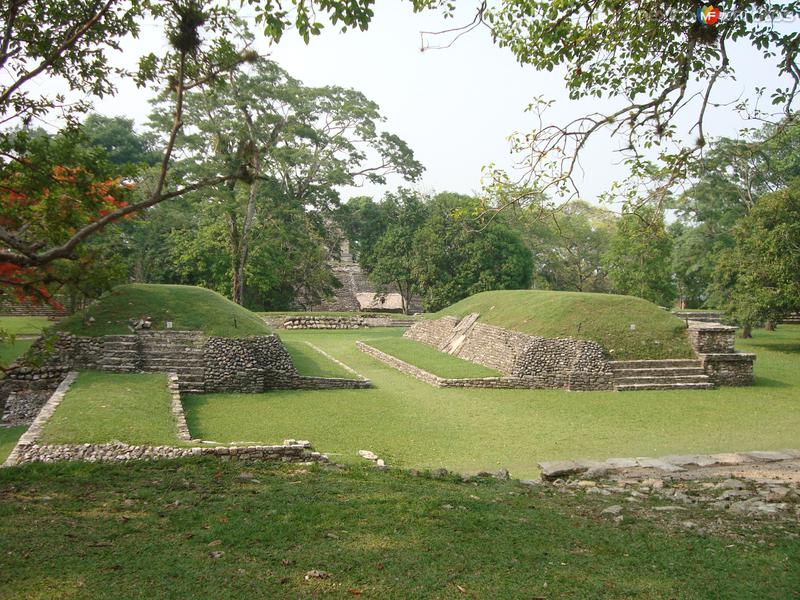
x: 8, y: 439
x: 604, y: 318
x: 413, y: 424
x: 188, y: 307
x: 24, y: 325
x: 10, y: 351
x: 431, y: 360
x: 195, y: 528
x: 312, y: 363
x: 107, y: 407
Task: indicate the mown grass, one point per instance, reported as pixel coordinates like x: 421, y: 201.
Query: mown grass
x: 10, y: 351
x: 187, y: 307
x: 24, y: 325
x: 195, y: 529
x: 605, y: 318
x: 108, y: 407
x: 312, y: 363
x: 431, y: 360
x: 8, y: 439
x: 412, y: 424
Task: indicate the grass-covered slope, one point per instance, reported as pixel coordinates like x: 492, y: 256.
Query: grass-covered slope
x: 188, y: 307
x: 605, y: 318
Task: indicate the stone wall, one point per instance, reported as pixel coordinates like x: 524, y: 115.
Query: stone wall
x: 545, y: 362
x: 711, y: 337
x: 28, y: 448
x: 312, y: 322
x: 714, y: 344
x: 202, y: 364
x: 733, y: 369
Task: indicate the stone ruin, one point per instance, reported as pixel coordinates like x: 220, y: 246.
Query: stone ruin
x: 583, y: 364
x: 357, y: 293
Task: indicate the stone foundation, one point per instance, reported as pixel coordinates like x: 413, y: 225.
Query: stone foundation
x: 542, y: 362
x: 310, y: 322
x: 714, y: 344
x: 498, y: 383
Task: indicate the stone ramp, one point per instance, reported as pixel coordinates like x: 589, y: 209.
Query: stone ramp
x: 460, y: 333
x: 673, y: 374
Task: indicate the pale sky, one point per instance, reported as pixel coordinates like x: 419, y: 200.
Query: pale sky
x: 455, y: 107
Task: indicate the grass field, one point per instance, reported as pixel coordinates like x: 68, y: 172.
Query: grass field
x: 108, y: 407
x: 604, y: 318
x: 24, y: 325
x: 431, y: 360
x: 10, y: 351
x: 312, y: 363
x: 8, y: 439
x: 413, y: 424
x: 188, y: 307
x: 196, y: 528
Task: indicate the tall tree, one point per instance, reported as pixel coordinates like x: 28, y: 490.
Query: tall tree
x: 638, y: 260
x: 758, y: 279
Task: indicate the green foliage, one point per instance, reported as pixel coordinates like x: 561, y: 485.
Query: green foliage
x: 133, y: 408
x: 187, y: 307
x: 638, y: 258
x: 567, y: 247
x: 461, y: 251
x: 604, y: 318
x: 431, y: 360
x: 758, y: 280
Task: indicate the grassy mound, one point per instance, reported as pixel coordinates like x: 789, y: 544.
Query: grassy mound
x: 188, y: 307
x: 629, y: 328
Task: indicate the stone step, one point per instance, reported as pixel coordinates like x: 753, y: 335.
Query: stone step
x: 663, y: 386
x: 664, y: 379
x: 181, y: 371
x: 182, y: 354
x: 120, y: 346
x: 675, y: 363
x: 120, y: 359
x: 173, y: 360
x: 120, y: 368
x: 677, y: 371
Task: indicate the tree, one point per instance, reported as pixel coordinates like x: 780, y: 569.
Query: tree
x: 393, y: 258
x: 568, y: 246
x: 461, y: 251
x: 638, y: 260
x: 71, y: 40
x: 263, y: 131
x: 758, y: 280
x: 659, y: 62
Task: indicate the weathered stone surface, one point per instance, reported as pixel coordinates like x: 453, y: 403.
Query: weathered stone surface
x: 367, y: 454
x: 560, y: 468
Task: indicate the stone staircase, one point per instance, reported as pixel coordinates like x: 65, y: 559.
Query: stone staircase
x: 121, y: 353
x: 677, y: 374
x: 180, y: 352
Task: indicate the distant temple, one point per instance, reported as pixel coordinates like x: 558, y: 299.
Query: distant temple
x: 357, y: 293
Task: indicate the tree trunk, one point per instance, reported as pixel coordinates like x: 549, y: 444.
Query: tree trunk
x: 747, y: 331
x: 770, y: 326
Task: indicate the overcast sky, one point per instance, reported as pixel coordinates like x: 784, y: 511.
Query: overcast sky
x: 455, y: 107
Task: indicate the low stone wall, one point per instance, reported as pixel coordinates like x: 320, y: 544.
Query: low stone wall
x: 734, y: 369
x: 714, y: 345
x: 323, y: 322
x: 501, y: 383
x: 712, y: 338
x: 294, y: 452
x: 550, y: 363
x: 28, y: 448
x: 202, y: 364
